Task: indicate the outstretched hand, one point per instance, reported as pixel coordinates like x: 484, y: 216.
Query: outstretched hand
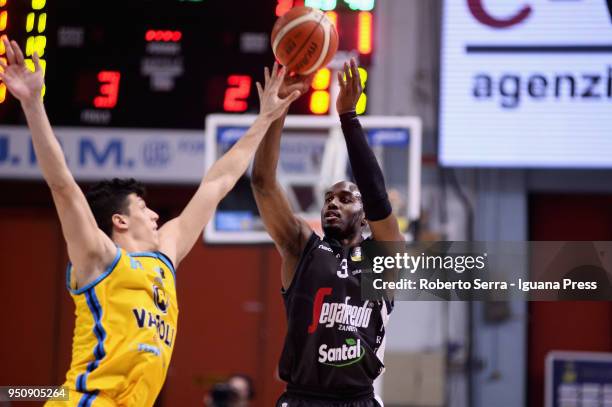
x: 273, y: 102
x: 295, y: 82
x: 350, y: 88
x: 21, y: 82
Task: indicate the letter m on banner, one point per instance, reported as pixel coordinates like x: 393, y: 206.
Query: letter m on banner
x: 112, y: 151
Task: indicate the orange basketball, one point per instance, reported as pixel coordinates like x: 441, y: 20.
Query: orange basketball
x: 304, y: 40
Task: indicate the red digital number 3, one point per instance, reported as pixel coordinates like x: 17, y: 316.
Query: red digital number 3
x: 109, y: 89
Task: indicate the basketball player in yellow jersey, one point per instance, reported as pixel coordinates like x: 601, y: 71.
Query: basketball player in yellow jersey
x: 122, y: 272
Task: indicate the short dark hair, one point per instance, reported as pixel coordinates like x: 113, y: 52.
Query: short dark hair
x: 223, y: 395
x: 109, y: 197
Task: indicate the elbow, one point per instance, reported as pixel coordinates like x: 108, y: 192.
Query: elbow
x: 61, y: 181
x: 258, y: 181
x: 61, y: 187
x: 223, y: 186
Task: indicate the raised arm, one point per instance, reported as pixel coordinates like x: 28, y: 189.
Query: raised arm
x: 178, y: 236
x: 289, y: 232
x: 368, y: 174
x: 89, y: 249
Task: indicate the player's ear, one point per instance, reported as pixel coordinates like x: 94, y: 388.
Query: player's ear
x: 120, y: 221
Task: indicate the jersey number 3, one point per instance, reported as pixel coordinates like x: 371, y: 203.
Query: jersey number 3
x: 343, y: 272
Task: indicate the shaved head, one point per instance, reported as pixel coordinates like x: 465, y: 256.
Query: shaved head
x: 342, y: 215
x: 345, y: 185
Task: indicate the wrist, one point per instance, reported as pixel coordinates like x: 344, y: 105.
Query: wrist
x: 264, y: 120
x: 264, y: 117
x: 347, y: 115
x: 347, y: 111
x: 31, y: 103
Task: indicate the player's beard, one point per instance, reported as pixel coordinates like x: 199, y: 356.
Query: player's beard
x: 334, y: 232
x: 339, y: 231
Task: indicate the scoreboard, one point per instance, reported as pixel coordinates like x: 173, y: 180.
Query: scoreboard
x: 164, y: 64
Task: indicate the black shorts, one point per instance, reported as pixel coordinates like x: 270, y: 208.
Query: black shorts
x: 295, y: 401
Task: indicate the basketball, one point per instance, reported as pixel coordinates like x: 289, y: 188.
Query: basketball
x: 304, y: 40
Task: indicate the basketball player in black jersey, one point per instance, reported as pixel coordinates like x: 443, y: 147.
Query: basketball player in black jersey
x: 335, y: 340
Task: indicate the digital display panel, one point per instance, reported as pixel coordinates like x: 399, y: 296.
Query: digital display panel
x: 161, y: 64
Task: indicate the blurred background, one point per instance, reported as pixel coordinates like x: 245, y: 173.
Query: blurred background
x: 501, y: 131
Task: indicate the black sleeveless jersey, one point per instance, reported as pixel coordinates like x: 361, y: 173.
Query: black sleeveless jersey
x: 335, y: 341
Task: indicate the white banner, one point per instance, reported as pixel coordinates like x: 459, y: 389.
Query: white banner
x: 526, y: 83
x: 164, y: 156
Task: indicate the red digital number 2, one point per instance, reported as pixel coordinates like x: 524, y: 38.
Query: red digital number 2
x: 239, y: 89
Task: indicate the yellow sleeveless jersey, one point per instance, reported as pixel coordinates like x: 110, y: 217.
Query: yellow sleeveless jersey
x: 125, y: 330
